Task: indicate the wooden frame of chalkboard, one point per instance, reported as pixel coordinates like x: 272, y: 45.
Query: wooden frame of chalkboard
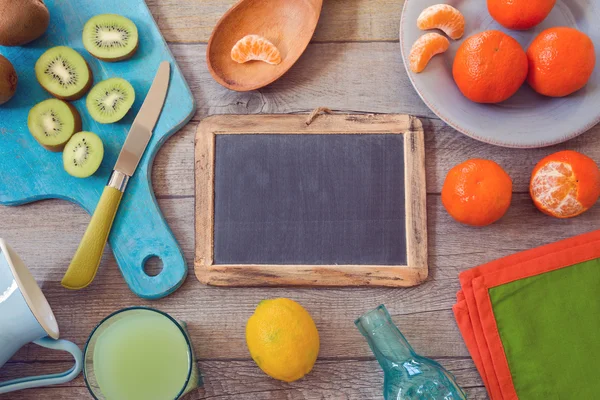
x: 413, y: 273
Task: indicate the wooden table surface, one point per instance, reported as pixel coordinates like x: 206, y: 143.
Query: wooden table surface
x: 353, y: 65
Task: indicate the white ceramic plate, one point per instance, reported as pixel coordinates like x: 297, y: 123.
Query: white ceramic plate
x: 527, y: 119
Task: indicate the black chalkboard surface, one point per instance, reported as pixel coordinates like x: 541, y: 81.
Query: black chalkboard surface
x: 338, y: 202
x: 309, y: 199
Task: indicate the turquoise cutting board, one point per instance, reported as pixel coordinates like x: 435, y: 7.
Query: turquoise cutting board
x: 29, y: 173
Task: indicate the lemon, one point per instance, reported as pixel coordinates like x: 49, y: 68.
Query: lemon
x: 283, y: 339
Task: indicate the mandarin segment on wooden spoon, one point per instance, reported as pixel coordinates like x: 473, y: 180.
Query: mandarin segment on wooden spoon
x: 254, y: 47
x: 289, y: 25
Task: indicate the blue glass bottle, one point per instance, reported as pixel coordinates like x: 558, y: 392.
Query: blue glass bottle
x: 407, y: 376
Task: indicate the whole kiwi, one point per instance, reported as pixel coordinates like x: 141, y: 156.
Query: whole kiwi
x: 8, y: 80
x: 22, y: 21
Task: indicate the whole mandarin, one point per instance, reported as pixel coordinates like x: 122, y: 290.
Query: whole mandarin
x: 477, y: 192
x: 490, y: 67
x: 561, y: 61
x: 520, y: 14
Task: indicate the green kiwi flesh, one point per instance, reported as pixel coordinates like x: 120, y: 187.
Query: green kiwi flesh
x: 110, y: 37
x: 63, y: 73
x: 110, y: 100
x: 52, y: 123
x: 83, y: 154
x: 8, y: 80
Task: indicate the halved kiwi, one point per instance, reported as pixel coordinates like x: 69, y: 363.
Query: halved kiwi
x: 52, y: 123
x: 110, y: 37
x: 110, y: 100
x: 83, y: 154
x: 8, y: 80
x: 63, y: 73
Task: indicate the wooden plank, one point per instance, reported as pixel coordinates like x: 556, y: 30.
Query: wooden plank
x: 360, y: 77
x: 416, y: 198
x: 173, y: 174
x: 365, y: 77
x: 192, y: 21
x: 311, y: 275
x: 243, y: 392
x: 242, y: 379
x: 45, y: 235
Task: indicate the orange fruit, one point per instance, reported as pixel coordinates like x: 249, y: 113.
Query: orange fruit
x: 443, y: 17
x: 425, y: 48
x: 489, y: 67
x: 561, y: 61
x: 282, y: 339
x: 565, y: 184
x: 520, y: 14
x: 254, y: 47
x: 477, y: 192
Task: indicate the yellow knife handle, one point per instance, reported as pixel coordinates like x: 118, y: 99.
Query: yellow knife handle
x: 86, y: 261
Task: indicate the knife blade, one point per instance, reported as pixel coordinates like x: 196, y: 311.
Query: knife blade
x: 85, y: 263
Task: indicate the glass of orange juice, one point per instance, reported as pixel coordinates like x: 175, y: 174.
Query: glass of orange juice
x: 140, y: 353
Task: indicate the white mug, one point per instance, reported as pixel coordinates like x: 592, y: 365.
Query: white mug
x: 26, y: 316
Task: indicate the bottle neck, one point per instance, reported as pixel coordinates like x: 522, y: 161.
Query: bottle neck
x: 385, y: 340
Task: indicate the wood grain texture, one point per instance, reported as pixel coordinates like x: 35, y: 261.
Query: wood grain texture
x: 45, y: 233
x: 241, y: 379
x: 217, y: 315
x: 416, y: 197
x: 173, y: 176
x: 192, y: 21
x: 414, y: 273
x: 362, y: 77
x: 346, y: 76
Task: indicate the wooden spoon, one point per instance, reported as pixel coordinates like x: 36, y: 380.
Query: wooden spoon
x: 288, y: 24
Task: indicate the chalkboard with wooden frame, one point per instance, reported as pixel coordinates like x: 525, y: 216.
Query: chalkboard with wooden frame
x: 339, y: 201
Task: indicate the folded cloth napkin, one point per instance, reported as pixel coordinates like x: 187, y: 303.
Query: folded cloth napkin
x: 531, y: 321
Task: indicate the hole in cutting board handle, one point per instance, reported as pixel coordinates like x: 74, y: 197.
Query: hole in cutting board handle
x: 153, y: 266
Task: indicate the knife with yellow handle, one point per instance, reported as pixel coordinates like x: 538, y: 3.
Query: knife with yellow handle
x: 86, y: 261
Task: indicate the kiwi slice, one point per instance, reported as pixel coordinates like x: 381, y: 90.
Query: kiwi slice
x: 63, y: 73
x: 83, y: 154
x: 110, y: 100
x: 110, y: 37
x: 52, y: 123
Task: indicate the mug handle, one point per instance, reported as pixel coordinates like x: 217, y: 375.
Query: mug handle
x: 51, y: 379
